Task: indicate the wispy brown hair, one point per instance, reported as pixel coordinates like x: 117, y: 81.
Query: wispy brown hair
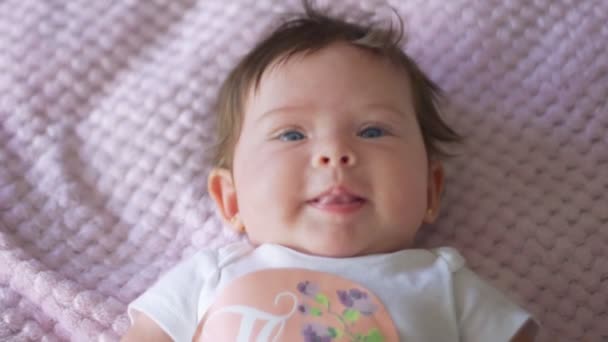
x: 310, y: 32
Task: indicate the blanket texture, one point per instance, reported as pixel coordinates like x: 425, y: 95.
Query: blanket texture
x: 106, y: 123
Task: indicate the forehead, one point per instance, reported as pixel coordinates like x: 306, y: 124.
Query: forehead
x: 340, y: 76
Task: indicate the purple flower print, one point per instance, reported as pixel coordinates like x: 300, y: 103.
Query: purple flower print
x: 357, y: 294
x: 357, y: 299
x: 345, y: 299
x: 366, y: 307
x: 307, y: 288
x: 316, y: 333
x: 303, y: 308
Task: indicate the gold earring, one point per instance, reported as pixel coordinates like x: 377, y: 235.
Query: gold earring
x: 237, y: 224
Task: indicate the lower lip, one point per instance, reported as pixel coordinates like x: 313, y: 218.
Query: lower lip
x: 339, y: 208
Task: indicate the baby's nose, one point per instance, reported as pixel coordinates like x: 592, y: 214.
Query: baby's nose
x: 341, y: 159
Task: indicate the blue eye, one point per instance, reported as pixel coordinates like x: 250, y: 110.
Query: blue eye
x: 372, y: 132
x: 291, y: 136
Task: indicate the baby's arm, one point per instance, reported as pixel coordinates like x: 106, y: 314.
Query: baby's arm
x: 486, y: 314
x: 145, y: 329
x: 168, y: 309
x: 527, y: 333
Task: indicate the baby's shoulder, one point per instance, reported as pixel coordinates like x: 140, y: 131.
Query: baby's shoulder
x: 451, y: 257
x: 212, y: 259
x: 230, y: 253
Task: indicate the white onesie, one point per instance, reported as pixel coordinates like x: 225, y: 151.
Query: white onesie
x: 273, y: 293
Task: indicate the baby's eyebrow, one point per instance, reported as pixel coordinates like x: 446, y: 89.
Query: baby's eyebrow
x: 388, y: 109
x: 280, y: 110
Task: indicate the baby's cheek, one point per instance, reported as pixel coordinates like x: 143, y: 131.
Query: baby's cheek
x: 269, y: 193
x: 405, y: 203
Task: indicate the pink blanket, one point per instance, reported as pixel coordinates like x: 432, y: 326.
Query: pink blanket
x: 105, y: 124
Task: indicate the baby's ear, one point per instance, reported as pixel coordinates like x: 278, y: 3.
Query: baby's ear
x: 221, y: 188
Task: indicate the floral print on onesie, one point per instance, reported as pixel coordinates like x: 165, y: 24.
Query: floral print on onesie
x: 296, y: 305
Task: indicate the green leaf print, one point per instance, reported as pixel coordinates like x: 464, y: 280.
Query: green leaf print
x: 335, y: 333
x: 351, y: 315
x: 315, y: 312
x: 374, y: 336
x: 323, y: 300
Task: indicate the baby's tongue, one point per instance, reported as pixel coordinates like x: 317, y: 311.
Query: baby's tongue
x: 337, y: 199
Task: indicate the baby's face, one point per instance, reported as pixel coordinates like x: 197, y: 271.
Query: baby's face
x: 330, y: 160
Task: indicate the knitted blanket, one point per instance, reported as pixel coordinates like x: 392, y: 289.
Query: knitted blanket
x: 106, y: 123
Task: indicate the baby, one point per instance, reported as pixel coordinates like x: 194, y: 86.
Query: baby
x: 329, y: 160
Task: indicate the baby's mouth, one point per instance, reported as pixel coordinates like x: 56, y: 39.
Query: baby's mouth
x: 340, y: 199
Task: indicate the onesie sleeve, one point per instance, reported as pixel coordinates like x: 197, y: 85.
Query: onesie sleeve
x: 483, y: 312
x: 173, y: 300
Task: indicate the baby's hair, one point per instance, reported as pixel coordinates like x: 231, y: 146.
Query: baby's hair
x: 305, y: 34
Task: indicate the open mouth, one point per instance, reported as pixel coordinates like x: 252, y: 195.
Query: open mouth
x: 338, y: 203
